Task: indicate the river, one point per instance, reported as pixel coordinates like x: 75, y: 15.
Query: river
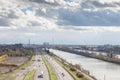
x: 99, y: 69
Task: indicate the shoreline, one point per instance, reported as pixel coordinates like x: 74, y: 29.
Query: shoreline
x: 107, y: 59
x: 87, y: 75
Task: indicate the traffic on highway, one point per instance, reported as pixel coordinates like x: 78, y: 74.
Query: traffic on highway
x: 41, y: 69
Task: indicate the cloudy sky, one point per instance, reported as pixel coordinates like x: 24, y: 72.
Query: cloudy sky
x: 60, y: 21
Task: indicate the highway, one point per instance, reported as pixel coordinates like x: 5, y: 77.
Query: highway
x: 21, y: 73
x: 62, y: 74
x: 40, y: 66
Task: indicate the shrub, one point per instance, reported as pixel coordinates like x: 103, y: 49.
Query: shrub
x: 79, y: 75
x: 77, y: 66
x: 72, y: 69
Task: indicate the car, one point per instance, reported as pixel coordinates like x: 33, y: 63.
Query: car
x: 38, y: 60
x: 41, y: 75
x: 63, y: 74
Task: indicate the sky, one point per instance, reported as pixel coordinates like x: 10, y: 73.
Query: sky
x: 82, y: 22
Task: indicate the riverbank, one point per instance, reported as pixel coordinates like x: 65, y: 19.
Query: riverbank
x: 104, y: 58
x: 98, y: 68
x: 75, y: 71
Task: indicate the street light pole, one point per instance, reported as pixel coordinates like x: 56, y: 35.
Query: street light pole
x: 104, y: 77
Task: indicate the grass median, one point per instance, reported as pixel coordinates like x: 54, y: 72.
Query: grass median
x: 13, y: 78
x: 30, y: 75
x: 52, y: 74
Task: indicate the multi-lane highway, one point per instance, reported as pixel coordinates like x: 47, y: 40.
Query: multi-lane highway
x: 21, y: 73
x: 40, y: 66
x: 62, y: 74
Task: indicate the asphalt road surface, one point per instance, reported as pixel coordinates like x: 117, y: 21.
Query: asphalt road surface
x: 20, y: 74
x: 62, y: 74
x: 40, y: 67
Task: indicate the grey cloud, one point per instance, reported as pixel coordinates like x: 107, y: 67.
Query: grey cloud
x: 12, y: 15
x: 87, y: 18
x: 45, y: 2
x: 50, y: 13
x: 34, y: 23
x: 80, y: 17
x: 7, y: 17
x: 83, y: 4
x: 98, y: 4
x: 71, y: 17
x: 4, y: 22
x: 117, y: 3
x: 73, y: 28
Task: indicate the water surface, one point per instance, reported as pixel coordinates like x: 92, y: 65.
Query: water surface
x: 100, y: 69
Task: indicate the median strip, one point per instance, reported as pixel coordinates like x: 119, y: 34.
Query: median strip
x: 13, y: 78
x: 30, y: 75
x: 52, y: 74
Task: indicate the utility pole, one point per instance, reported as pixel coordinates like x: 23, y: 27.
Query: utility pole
x: 53, y: 41
x: 29, y: 43
x: 104, y: 77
